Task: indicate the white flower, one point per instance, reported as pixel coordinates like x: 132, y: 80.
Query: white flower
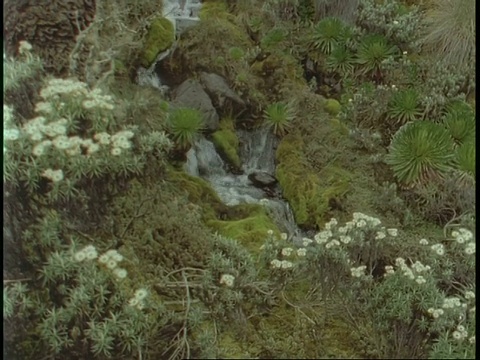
x: 358, y: 271
x: 306, y: 241
x: 141, y: 294
x: 93, y: 148
x: 57, y: 175
x: 399, y: 261
x: 286, y: 264
x: 405, y: 53
x: 392, y: 232
x: 62, y: 142
x: 395, y: 22
x: 457, y: 335
x: 345, y: 239
x: 227, y: 280
x: 11, y: 134
x: 103, y: 259
x: 270, y: 232
x: 455, y: 233
x: 44, y: 107
x: 103, y: 138
x: 79, y: 256
x: 276, y: 263
x: 423, y: 242
x: 469, y: 295
x: 90, y: 252
x: 342, y: 230
x: 116, y: 151
x: 460, y: 239
x: 302, y: 252
x: 283, y: 236
x: 286, y: 251
x: 471, y: 340
x: 111, y: 264
x: 361, y: 223
x: 133, y: 301
x: 470, y: 248
x: 38, y: 149
x: 263, y: 201
x: 120, y: 273
x: 24, y: 47
x: 438, y: 248
x: 420, y: 280
x: 380, y: 235
x: 430, y: 310
x: 467, y: 234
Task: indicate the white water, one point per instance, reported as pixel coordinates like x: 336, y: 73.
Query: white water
x: 257, y: 152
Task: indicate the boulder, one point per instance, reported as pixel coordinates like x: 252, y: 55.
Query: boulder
x: 191, y: 94
x: 262, y: 179
x: 220, y: 92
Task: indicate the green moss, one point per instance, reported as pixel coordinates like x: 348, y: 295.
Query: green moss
x: 332, y: 106
x: 249, y: 226
x: 199, y: 192
x: 308, y: 193
x: 226, y: 142
x: 160, y: 37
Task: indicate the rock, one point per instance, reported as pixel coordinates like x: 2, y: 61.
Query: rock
x: 262, y: 179
x: 219, y: 91
x: 191, y: 94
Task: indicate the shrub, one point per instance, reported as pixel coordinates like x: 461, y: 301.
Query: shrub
x: 185, y: 125
x: 419, y: 150
x: 278, y: 117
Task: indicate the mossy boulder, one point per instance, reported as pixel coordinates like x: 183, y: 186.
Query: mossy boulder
x: 309, y: 193
x: 160, y: 37
x: 226, y: 142
x: 249, y: 224
x: 332, y: 106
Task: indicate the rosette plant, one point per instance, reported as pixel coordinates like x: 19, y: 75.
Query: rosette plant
x: 185, y: 125
x: 340, y: 60
x: 460, y: 122
x: 404, y: 106
x: 372, y: 51
x: 328, y: 33
x: 420, y: 150
x: 278, y: 116
x: 465, y: 160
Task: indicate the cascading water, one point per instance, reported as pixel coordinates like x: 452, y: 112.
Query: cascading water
x: 257, y: 154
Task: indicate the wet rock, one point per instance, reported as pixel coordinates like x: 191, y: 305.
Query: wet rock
x: 262, y: 179
x: 191, y: 94
x: 220, y: 92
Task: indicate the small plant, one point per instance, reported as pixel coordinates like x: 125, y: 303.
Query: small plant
x: 404, y: 106
x: 340, y: 60
x: 372, y: 51
x: 460, y: 122
x: 185, y: 125
x: 418, y: 150
x: 327, y: 34
x: 278, y: 117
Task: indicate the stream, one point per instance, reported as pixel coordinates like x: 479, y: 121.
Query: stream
x: 257, y: 147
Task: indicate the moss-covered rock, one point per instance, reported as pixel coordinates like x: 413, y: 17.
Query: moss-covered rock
x: 308, y: 193
x: 160, y: 37
x: 248, y: 224
x: 226, y: 142
x: 332, y: 106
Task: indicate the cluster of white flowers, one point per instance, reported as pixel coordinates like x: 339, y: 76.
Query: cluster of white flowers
x: 471, y: 340
x: 462, y: 235
x: 284, y: 236
x: 469, y: 295
x: 438, y: 248
x: 111, y: 259
x: 264, y: 202
x: 56, y: 87
x: 306, y: 241
x: 97, y: 100
x: 358, y: 271
x: 436, y: 313
x: 87, y: 253
x: 412, y: 272
x: 227, y: 280
x: 423, y: 242
x: 370, y: 220
x: 270, y: 232
x: 332, y: 243
x: 283, y: 264
x: 302, y: 252
x: 470, y: 248
x: 138, y: 299
x: 53, y: 175
x: 453, y: 302
x: 460, y: 333
x: 287, y: 251
x: 331, y: 224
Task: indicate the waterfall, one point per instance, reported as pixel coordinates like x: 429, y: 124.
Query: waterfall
x: 257, y: 152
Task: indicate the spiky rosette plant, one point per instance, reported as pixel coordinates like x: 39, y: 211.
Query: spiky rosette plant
x: 372, y: 51
x: 450, y: 31
x: 340, y: 60
x: 328, y: 33
x: 460, y: 122
x: 420, y: 150
x: 185, y: 125
x: 278, y: 117
x: 465, y: 160
x: 404, y: 106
